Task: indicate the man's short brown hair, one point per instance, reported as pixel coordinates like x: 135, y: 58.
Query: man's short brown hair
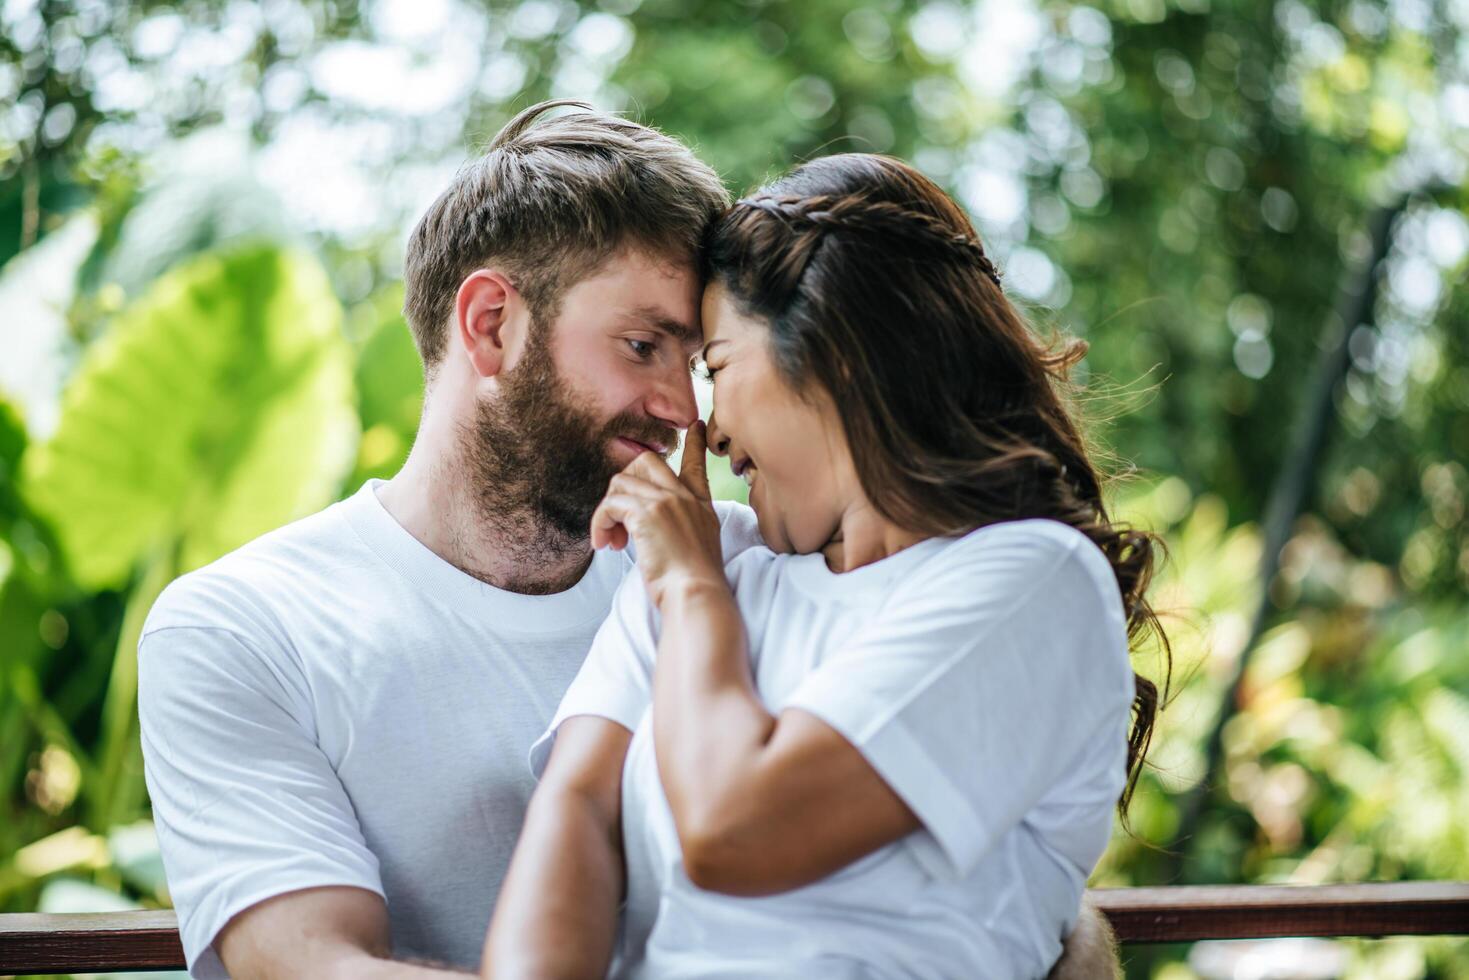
x: 549, y: 201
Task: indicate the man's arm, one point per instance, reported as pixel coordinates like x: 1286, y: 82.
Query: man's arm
x: 328, y: 933
x: 557, y: 912
x: 265, y: 859
x: 1090, y: 951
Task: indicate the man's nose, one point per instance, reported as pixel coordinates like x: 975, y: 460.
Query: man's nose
x: 718, y: 441
x: 674, y: 400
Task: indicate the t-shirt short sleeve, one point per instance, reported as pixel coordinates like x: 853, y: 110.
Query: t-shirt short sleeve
x: 994, y: 673
x: 246, y: 804
x: 616, y: 680
x: 739, y: 529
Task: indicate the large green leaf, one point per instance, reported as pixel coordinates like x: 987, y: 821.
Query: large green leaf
x: 12, y: 446
x: 216, y: 408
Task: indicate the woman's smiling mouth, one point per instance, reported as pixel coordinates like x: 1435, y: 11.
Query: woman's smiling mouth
x: 745, y: 470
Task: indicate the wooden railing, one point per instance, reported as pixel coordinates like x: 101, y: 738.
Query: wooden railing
x: 120, y: 941
x: 1191, y: 912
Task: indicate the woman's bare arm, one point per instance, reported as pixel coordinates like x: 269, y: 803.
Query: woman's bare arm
x: 762, y: 804
x: 557, y: 912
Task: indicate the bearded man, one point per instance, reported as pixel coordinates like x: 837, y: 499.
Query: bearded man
x: 336, y: 717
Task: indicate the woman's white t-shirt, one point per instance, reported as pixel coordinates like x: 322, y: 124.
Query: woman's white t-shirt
x: 986, y: 678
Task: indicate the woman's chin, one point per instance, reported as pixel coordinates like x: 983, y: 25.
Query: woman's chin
x: 775, y: 530
x: 770, y: 531
x: 776, y: 535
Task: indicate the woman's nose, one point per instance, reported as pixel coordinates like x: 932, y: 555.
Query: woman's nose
x: 718, y: 441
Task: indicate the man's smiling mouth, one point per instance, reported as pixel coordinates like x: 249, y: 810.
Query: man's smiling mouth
x: 649, y: 447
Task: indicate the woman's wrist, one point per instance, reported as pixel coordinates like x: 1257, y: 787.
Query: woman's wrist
x: 687, y: 590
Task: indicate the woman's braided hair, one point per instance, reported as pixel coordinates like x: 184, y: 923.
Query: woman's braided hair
x: 877, y: 290
x: 856, y: 214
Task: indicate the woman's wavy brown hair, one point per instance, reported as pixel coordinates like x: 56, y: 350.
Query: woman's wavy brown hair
x: 877, y: 288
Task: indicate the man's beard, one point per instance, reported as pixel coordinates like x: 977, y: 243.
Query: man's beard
x: 538, y: 460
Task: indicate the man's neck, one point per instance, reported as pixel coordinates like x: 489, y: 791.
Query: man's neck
x: 429, y: 498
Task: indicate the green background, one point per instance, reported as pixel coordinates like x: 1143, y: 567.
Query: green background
x: 202, y: 210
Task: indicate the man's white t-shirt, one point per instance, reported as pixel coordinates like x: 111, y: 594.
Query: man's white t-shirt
x: 334, y: 704
x: 986, y: 678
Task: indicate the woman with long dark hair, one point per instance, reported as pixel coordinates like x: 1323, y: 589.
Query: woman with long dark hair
x: 890, y: 744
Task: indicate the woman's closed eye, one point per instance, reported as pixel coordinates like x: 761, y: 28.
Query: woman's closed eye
x: 701, y: 368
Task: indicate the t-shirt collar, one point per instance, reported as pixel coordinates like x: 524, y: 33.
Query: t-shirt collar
x: 811, y: 575
x: 586, y: 601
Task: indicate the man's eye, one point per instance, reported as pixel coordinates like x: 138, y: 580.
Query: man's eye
x: 643, y: 348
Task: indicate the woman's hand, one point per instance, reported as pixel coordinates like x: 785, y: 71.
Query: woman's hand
x: 669, y: 517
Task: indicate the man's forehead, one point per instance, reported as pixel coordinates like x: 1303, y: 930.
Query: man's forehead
x: 642, y: 268
x: 635, y: 288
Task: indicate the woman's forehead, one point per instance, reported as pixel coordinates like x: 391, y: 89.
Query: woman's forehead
x: 723, y: 320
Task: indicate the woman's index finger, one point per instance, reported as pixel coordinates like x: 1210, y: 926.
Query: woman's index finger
x: 693, y: 471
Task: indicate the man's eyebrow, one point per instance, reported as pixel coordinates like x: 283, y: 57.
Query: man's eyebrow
x: 659, y: 320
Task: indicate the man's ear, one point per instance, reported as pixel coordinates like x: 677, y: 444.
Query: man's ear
x: 486, y: 319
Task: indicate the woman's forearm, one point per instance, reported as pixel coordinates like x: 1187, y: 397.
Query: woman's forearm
x: 761, y: 805
x: 557, y: 911
x: 709, y: 724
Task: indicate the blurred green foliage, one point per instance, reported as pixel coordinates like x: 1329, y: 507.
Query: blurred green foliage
x: 201, y: 214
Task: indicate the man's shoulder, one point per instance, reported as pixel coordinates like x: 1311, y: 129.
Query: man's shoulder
x: 241, y: 590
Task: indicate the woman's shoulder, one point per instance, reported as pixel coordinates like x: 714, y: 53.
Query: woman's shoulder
x: 1028, y: 555
x: 1040, y: 584
x: 752, y: 565
x: 1042, y: 532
